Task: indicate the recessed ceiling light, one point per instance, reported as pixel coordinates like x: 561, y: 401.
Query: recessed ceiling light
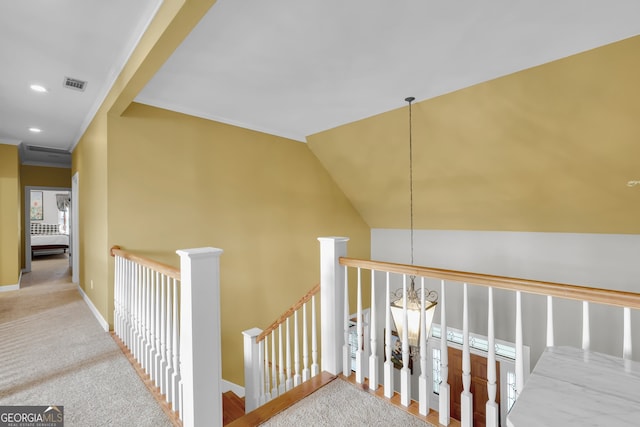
x: 38, y: 88
x: 35, y: 130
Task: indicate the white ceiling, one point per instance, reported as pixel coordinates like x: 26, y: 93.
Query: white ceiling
x: 287, y: 67
x: 294, y: 68
x: 42, y: 42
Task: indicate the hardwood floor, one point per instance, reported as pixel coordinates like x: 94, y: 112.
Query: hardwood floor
x: 232, y: 407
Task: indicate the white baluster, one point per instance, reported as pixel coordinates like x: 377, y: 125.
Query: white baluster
x: 492, y: 409
x: 373, y: 358
x: 281, y: 376
x: 315, y: 367
x: 405, y: 373
x: 305, y: 350
x: 169, y: 340
x: 289, y: 382
x: 550, y: 337
x: 626, y: 346
x: 116, y: 297
x: 176, y: 377
x: 127, y: 305
x: 263, y: 373
x: 444, y: 400
x: 388, y: 365
x: 267, y: 382
x: 159, y: 343
x: 153, y: 374
x: 466, y: 398
x: 163, y: 334
x: 519, y: 346
x: 136, y: 311
x: 274, y: 368
x: 424, y: 391
x: 586, y: 333
x: 297, y: 378
x: 145, y: 319
x: 360, y: 333
x: 346, y: 347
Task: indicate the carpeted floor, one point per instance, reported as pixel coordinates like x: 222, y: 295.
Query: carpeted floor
x: 54, y: 352
x: 341, y: 404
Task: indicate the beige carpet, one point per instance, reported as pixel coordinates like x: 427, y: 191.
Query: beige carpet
x: 341, y: 404
x: 54, y: 352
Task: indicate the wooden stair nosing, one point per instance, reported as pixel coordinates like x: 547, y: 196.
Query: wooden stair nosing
x: 284, y: 401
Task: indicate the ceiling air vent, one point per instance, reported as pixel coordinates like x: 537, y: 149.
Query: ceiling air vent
x: 74, y: 84
x: 46, y: 150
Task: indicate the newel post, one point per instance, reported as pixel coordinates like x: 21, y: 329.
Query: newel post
x: 252, y: 364
x: 200, y: 358
x: 332, y: 284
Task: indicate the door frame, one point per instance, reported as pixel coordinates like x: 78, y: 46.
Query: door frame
x: 74, y: 238
x: 27, y: 219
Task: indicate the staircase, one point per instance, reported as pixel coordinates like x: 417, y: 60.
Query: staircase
x: 232, y: 407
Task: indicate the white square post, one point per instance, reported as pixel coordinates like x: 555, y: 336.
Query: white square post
x: 332, y: 303
x: 252, y: 364
x: 200, y: 358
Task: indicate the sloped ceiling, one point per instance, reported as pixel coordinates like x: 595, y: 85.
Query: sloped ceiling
x: 294, y: 68
x: 549, y: 149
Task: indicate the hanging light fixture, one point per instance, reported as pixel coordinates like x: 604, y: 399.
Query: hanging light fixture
x: 416, y: 314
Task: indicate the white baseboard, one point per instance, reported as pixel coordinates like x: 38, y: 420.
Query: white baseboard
x: 229, y: 386
x: 7, y: 288
x: 94, y: 310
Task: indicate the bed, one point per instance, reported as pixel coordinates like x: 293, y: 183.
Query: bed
x: 46, y: 237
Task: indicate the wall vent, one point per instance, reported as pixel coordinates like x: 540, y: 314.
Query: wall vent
x: 74, y: 84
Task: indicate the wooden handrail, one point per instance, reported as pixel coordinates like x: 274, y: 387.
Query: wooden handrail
x: 165, y: 269
x: 580, y: 293
x: 289, y: 312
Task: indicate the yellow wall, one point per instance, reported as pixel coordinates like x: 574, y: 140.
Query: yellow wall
x: 10, y: 227
x: 154, y: 181
x: 547, y: 149
x: 173, y: 21
x: 176, y: 181
x: 40, y: 176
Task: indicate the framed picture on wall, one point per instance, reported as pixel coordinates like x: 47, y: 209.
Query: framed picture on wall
x: 37, y: 213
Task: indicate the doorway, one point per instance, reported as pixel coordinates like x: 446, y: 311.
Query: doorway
x: 41, y: 215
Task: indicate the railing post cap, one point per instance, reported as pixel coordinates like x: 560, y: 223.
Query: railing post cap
x: 200, y: 252
x: 252, y: 333
x: 333, y: 238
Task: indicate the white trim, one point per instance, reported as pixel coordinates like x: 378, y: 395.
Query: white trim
x: 229, y: 386
x: 94, y: 310
x: 74, y: 218
x: 116, y: 70
x: 7, y: 288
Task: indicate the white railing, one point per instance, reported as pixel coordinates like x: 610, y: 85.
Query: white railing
x: 155, y: 308
x: 267, y: 376
x: 625, y: 300
x: 269, y: 371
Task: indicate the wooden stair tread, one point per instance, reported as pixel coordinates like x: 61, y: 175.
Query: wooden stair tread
x: 232, y: 407
x: 284, y: 401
